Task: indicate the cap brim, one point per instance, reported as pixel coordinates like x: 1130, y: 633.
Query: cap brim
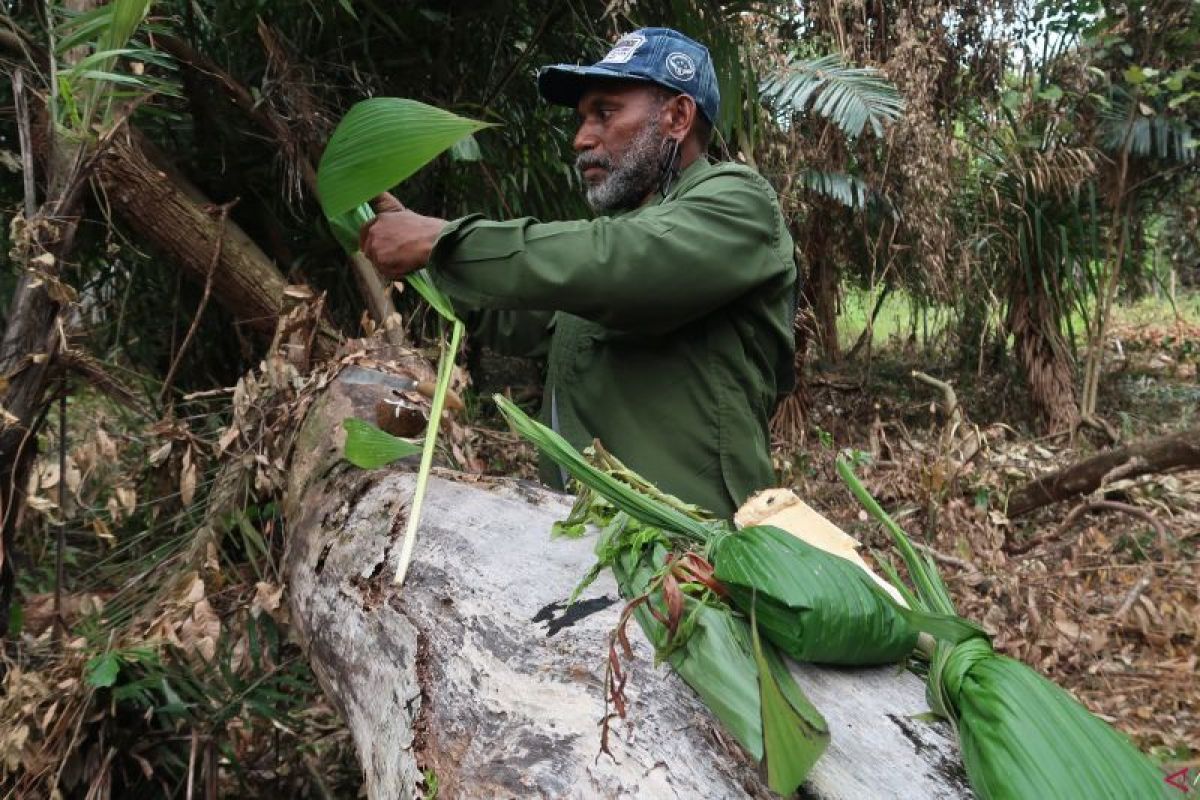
x: 564, y: 84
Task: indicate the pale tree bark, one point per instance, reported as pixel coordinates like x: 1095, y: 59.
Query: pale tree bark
x: 477, y: 672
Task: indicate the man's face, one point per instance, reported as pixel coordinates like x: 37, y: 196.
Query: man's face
x: 620, y: 144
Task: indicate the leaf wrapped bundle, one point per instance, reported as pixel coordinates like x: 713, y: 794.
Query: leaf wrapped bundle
x: 813, y: 606
x: 1025, y: 738
x: 1022, y: 736
x: 745, y: 685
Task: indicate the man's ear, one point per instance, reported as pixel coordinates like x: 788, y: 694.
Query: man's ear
x: 680, y: 117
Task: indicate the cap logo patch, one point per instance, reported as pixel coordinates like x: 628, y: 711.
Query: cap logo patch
x: 681, y: 66
x: 624, y: 49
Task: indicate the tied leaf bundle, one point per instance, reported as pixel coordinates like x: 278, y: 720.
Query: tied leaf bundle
x: 1022, y: 736
x: 379, y: 143
x: 807, y: 603
x: 815, y: 605
x: 743, y: 682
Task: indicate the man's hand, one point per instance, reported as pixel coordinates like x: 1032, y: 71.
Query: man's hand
x: 398, y: 241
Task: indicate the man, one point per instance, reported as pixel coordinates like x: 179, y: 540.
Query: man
x: 668, y: 316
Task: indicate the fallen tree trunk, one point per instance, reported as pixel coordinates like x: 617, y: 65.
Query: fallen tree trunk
x: 168, y: 212
x: 477, y: 673
x: 1164, y: 453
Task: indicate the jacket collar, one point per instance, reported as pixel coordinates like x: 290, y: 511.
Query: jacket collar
x: 689, y: 177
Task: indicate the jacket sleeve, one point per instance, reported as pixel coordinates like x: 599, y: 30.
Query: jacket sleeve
x: 650, y: 271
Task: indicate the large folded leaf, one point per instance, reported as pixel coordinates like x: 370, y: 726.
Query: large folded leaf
x: 746, y: 685
x: 795, y: 734
x: 715, y: 659
x: 379, y: 143
x: 1025, y: 738
x: 814, y: 605
x: 1022, y: 736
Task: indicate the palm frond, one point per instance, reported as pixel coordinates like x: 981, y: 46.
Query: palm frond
x: 849, y: 97
x: 1152, y: 135
x: 849, y: 190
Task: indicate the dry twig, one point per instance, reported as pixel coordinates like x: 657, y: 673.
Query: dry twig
x: 223, y: 215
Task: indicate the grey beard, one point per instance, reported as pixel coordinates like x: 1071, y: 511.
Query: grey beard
x: 631, y: 177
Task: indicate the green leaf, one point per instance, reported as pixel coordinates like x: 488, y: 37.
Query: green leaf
x: 102, y: 670
x: 425, y: 287
x: 367, y: 447
x: 1023, y: 736
x: 794, y: 732
x: 1135, y: 76
x: 445, y: 368
x: 849, y: 97
x: 1051, y: 92
x: 632, y: 502
x: 715, y: 659
x: 811, y: 604
x: 378, y: 144
x: 466, y: 149
x: 1180, y: 99
x: 849, y: 190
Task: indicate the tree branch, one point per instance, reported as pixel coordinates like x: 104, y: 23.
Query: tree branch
x: 1164, y: 453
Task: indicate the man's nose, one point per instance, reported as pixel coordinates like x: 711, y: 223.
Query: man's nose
x: 585, y: 139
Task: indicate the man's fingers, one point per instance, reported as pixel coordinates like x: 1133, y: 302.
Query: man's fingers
x: 383, y: 203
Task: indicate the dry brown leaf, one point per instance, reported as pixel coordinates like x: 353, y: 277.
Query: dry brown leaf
x: 160, y: 455
x: 200, y: 631
x: 7, y: 418
x: 266, y: 598
x: 107, y: 447
x: 192, y: 590
x: 40, y: 503
x: 228, y: 437
x: 298, y: 291
x: 49, y: 715
x: 187, y: 479
x: 47, y: 474
x: 127, y: 498
x: 101, y: 529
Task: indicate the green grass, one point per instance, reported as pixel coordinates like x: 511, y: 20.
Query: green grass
x: 900, y: 318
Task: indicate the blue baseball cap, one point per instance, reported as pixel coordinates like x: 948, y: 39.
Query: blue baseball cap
x: 657, y: 55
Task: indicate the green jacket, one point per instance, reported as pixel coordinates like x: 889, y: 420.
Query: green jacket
x: 669, y: 326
